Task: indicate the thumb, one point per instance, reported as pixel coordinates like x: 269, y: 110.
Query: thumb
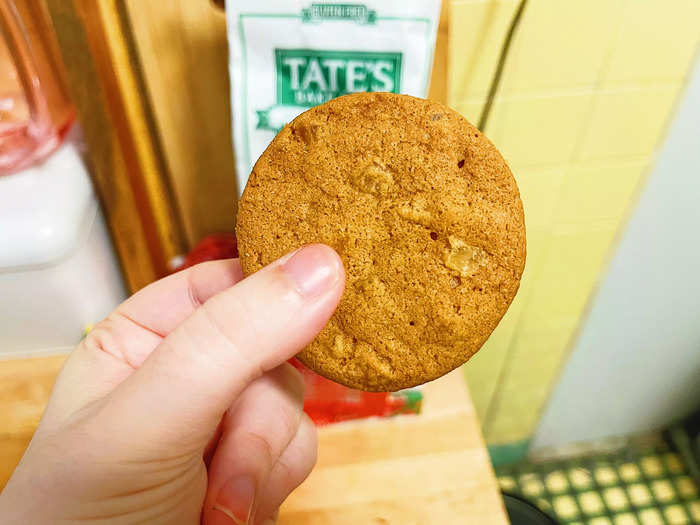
x: 182, y: 390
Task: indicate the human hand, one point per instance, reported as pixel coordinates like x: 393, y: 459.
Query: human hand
x: 180, y: 406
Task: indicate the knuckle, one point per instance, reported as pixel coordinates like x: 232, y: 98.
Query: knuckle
x: 294, y: 381
x: 223, y: 331
x: 288, y: 472
x: 192, y: 289
x: 289, y: 421
x: 297, y: 462
x: 261, y: 448
x: 310, y: 435
x: 104, y: 339
x: 294, y: 468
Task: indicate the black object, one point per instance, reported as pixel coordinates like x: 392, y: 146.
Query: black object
x: 496, y: 80
x: 685, y: 438
x: 522, y: 512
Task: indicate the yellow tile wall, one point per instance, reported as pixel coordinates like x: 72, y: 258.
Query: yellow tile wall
x: 539, y: 190
x: 584, y: 101
x: 538, y: 130
x: 657, y: 42
x: 627, y: 122
x: 560, y: 46
x: 597, y: 193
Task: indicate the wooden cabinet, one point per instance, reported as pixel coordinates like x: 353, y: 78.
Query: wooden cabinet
x: 150, y: 80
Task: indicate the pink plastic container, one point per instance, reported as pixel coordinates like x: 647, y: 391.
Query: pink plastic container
x: 35, y: 110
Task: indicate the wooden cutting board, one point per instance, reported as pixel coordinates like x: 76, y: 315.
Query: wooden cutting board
x: 430, y: 469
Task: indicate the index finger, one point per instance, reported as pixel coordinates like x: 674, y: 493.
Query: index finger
x: 161, y: 306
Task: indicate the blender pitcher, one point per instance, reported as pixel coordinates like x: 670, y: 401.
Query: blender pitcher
x: 35, y: 111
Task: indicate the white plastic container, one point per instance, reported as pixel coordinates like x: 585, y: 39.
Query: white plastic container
x: 58, y: 270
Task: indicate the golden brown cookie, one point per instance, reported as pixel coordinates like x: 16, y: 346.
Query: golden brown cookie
x: 426, y: 216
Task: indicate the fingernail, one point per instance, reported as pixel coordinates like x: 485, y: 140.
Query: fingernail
x: 236, y: 499
x: 314, y: 269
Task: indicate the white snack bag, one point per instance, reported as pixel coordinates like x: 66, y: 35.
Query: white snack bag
x: 286, y: 56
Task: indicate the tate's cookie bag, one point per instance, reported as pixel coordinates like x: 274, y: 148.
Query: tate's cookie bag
x: 287, y: 56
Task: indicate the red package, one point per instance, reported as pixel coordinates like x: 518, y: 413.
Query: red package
x: 211, y: 248
x: 329, y: 402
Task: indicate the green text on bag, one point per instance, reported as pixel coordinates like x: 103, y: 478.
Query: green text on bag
x: 307, y: 77
x: 354, y: 12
